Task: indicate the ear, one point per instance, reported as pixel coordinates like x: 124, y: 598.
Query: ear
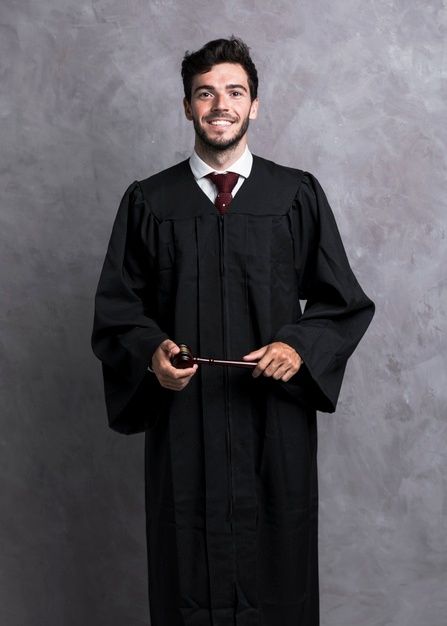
x: 254, y: 109
x: 187, y: 107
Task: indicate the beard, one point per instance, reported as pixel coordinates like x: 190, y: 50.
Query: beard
x: 220, y: 145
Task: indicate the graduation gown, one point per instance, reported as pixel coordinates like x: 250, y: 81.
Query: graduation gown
x: 230, y: 461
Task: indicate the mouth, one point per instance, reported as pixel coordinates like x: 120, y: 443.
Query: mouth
x: 220, y: 123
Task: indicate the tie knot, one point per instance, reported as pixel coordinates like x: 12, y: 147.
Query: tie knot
x: 225, y: 183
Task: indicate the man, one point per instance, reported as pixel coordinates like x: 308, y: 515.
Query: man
x: 220, y: 263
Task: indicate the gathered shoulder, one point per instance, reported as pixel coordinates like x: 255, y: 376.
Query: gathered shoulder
x: 278, y: 172
x: 299, y: 180
x: 164, y: 177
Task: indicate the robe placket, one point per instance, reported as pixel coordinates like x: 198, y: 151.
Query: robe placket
x: 219, y: 524
x: 246, y: 504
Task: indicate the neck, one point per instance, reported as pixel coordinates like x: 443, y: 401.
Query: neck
x: 219, y: 159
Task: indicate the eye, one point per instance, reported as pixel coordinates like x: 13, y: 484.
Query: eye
x: 236, y: 93
x: 204, y: 94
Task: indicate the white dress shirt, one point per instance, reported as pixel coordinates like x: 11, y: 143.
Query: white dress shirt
x: 200, y: 169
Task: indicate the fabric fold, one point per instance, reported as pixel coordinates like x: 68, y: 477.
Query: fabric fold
x: 125, y: 336
x: 337, y: 311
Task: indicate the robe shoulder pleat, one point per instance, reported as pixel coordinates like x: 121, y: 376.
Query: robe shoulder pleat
x: 337, y: 311
x: 125, y: 334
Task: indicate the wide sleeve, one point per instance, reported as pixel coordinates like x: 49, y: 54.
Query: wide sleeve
x: 125, y: 333
x: 337, y: 311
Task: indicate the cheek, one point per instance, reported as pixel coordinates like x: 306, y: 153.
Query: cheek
x: 195, y: 111
x: 200, y: 113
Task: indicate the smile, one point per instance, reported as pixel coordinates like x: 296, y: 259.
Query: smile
x: 220, y: 123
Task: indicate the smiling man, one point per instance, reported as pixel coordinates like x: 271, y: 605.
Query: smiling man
x: 220, y: 107
x: 216, y: 252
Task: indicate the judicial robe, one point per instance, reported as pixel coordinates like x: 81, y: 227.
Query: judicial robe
x: 230, y: 461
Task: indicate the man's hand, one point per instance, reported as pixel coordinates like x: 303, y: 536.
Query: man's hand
x: 169, y: 376
x: 277, y: 359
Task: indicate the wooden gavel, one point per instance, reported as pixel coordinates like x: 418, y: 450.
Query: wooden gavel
x: 185, y: 359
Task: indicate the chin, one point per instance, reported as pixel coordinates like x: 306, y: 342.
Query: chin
x: 221, y: 138
x: 223, y: 143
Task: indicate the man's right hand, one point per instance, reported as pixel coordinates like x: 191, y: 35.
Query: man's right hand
x: 169, y: 376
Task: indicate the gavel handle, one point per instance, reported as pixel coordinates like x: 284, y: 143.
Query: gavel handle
x: 198, y: 359
x: 185, y: 358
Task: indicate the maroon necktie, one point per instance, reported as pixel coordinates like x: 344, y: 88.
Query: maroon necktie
x: 225, y: 184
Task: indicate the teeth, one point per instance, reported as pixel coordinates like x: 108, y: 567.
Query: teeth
x: 220, y: 123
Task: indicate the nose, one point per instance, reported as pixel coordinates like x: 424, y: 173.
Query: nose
x: 220, y: 102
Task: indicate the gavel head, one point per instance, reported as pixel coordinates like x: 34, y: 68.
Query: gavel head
x: 184, y: 358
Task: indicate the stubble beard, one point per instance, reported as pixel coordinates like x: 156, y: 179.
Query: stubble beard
x: 221, y: 146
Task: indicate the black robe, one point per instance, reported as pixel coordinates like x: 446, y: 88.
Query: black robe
x: 231, y: 461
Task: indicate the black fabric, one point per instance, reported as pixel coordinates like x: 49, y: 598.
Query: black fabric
x: 231, y: 461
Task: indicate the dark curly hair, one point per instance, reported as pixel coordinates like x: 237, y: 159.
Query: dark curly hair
x: 232, y: 50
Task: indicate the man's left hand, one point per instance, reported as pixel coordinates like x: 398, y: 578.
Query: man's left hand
x: 277, y: 359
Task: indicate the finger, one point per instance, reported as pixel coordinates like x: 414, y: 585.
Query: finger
x: 170, y: 348
x: 287, y: 376
x: 178, y: 374
x: 262, y: 365
x: 256, y: 354
x: 164, y: 358
x: 280, y: 372
x: 173, y: 385
x: 291, y: 372
x: 280, y: 359
x: 179, y: 386
x: 176, y: 385
x: 169, y: 372
x: 273, y: 367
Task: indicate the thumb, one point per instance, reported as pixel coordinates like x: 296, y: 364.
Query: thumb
x: 256, y: 354
x: 169, y: 347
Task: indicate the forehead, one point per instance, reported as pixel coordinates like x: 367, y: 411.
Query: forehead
x: 222, y: 74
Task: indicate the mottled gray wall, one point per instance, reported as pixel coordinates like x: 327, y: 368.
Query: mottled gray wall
x: 355, y: 92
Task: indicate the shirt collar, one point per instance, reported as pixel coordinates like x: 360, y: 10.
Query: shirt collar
x: 242, y: 166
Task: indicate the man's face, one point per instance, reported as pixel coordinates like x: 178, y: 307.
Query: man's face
x: 220, y: 106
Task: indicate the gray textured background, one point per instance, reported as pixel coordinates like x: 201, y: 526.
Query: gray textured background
x: 355, y: 92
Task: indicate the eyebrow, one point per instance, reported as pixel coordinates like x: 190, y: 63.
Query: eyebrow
x: 211, y: 88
